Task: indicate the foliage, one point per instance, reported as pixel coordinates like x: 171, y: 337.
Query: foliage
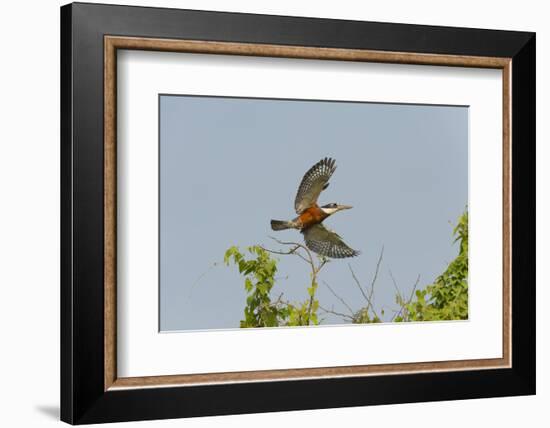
x: 363, y: 316
x: 447, y: 297
x: 260, y: 310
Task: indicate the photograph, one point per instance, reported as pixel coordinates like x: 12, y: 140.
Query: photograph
x: 295, y: 212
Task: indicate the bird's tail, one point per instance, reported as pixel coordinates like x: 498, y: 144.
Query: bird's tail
x: 282, y: 225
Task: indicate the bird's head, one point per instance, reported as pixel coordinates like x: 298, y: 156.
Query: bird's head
x: 330, y: 209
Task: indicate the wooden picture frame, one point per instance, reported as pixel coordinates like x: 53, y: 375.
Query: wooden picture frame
x: 91, y: 390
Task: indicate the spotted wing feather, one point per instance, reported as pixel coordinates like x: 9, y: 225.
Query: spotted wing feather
x: 313, y: 183
x: 327, y: 243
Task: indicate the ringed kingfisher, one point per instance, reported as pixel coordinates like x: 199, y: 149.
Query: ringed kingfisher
x: 310, y: 218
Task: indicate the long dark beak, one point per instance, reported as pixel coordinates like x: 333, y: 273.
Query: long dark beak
x: 344, y: 207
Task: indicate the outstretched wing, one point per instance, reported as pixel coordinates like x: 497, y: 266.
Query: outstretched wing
x: 327, y: 243
x: 313, y: 183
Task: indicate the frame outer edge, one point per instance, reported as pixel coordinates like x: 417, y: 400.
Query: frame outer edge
x: 82, y: 385
x: 524, y: 216
x: 66, y: 197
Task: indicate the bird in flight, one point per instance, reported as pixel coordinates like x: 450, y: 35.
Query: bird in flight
x: 310, y: 218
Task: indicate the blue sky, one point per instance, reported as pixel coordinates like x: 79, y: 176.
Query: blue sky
x: 229, y: 165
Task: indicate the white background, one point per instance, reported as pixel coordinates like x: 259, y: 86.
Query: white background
x: 142, y: 351
x: 29, y: 219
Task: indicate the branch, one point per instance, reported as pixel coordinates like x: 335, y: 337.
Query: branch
x: 376, y: 273
x: 403, y: 304
x: 331, y: 311
x: 279, y: 300
x: 367, y: 298
x: 339, y: 298
x: 322, y: 263
x: 395, y: 286
x: 314, y: 269
x: 358, y: 284
x: 314, y: 283
x: 286, y: 253
x: 297, y: 246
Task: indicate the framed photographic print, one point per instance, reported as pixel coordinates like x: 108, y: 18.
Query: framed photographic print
x: 265, y: 213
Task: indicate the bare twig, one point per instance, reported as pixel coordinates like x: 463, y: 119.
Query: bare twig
x: 324, y: 261
x: 367, y: 298
x: 375, y: 277
x: 414, y: 287
x: 285, y: 253
x: 296, y: 244
x: 403, y: 303
x: 339, y: 314
x: 358, y: 284
x: 279, y: 300
x: 395, y: 286
x: 339, y: 298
